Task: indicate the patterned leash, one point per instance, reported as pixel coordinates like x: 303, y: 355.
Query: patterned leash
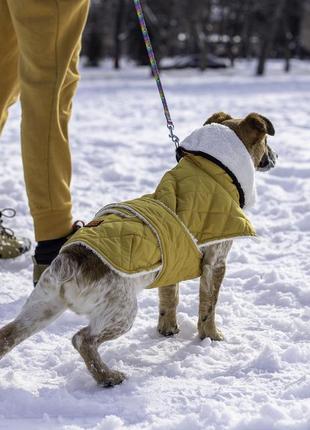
x: 155, y: 72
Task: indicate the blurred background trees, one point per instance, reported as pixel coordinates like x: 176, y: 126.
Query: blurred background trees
x: 199, y: 33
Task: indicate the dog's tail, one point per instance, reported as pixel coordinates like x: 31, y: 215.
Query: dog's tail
x: 78, y: 262
x: 65, y: 266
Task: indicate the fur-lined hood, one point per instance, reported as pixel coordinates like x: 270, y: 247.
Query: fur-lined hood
x: 223, y: 145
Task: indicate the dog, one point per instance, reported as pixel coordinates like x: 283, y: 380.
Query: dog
x: 80, y: 280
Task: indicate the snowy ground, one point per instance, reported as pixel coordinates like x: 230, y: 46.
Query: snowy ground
x: 258, y: 379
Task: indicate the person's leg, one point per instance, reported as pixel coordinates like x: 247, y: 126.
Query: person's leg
x: 48, y: 35
x: 10, y: 245
x: 47, y: 250
x: 9, y: 85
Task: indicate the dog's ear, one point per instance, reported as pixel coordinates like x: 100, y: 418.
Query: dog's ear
x: 259, y: 123
x: 218, y: 117
x: 269, y: 125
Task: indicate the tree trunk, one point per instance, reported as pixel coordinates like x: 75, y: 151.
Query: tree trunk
x: 202, y: 45
x: 247, y: 30
x: 269, y: 36
x: 287, y: 48
x: 201, y: 30
x: 117, y: 32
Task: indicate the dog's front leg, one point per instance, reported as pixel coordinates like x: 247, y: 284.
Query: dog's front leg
x: 213, y: 271
x: 168, y: 301
x: 210, y: 283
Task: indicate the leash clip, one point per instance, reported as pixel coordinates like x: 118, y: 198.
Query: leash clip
x: 173, y: 136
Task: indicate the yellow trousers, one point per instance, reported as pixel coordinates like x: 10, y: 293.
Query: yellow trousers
x: 39, y: 49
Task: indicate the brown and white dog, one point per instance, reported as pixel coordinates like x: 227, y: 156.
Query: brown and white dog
x: 79, y: 281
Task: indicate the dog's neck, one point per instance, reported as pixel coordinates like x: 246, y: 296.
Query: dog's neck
x: 223, y: 144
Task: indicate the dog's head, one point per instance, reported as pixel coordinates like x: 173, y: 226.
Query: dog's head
x: 252, y: 131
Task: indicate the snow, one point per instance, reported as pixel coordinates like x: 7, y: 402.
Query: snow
x: 258, y: 378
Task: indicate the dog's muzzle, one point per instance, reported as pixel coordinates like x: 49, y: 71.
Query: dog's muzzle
x: 268, y: 161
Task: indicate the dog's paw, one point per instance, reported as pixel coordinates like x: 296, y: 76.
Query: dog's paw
x: 212, y: 332
x: 167, y: 324
x: 113, y: 377
x: 169, y: 330
x: 216, y: 335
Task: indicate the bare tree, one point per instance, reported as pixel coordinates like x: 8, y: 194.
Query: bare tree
x: 198, y: 29
x: 273, y: 15
x: 120, y: 13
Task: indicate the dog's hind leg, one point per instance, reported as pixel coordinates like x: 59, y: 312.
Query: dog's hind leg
x: 42, y: 307
x: 87, y: 345
x: 168, y: 301
x: 110, y: 319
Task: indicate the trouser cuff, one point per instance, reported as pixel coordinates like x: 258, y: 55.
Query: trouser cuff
x: 52, y: 225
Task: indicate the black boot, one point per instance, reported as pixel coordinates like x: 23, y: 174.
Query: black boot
x: 47, y: 250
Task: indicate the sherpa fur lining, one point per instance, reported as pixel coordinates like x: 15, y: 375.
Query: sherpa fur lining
x: 223, y: 144
x: 227, y: 239
x: 112, y: 211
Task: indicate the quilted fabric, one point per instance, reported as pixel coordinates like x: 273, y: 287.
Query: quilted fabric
x: 205, y: 199
x: 196, y: 203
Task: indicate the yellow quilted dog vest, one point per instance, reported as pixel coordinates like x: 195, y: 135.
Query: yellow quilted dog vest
x: 195, y: 204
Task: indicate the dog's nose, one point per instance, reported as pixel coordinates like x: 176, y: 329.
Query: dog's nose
x: 273, y: 156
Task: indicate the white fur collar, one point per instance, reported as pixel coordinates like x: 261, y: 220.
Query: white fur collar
x: 223, y: 144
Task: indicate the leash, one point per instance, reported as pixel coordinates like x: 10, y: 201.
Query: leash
x: 155, y: 72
